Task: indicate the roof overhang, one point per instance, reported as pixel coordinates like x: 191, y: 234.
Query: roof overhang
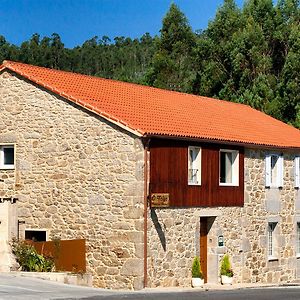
x: 248, y: 145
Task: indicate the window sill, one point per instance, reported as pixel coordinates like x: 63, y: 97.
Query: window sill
x: 227, y: 184
x: 196, y: 184
x: 298, y: 255
x: 7, y: 167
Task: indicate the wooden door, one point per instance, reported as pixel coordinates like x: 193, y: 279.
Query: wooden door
x: 203, y: 246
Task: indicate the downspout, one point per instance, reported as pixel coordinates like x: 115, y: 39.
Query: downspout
x: 146, y: 167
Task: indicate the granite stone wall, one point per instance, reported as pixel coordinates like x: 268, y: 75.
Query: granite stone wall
x: 79, y: 176
x: 76, y: 176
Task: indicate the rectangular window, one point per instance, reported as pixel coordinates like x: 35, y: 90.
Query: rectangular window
x: 7, y: 157
x: 229, y: 167
x: 271, y: 240
x: 36, y: 235
x: 194, y: 166
x: 297, y: 171
x: 298, y: 240
x: 274, y: 170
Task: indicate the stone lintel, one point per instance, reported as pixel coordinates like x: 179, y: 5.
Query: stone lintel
x: 210, y: 213
x: 274, y: 219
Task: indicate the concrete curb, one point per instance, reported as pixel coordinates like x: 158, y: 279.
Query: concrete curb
x: 86, y: 280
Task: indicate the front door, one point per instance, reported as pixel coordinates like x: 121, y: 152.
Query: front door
x: 203, y: 246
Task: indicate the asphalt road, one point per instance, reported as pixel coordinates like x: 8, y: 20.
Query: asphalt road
x: 17, y: 288
x: 287, y: 293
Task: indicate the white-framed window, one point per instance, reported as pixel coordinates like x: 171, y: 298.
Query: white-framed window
x: 271, y: 241
x: 7, y: 157
x: 298, y: 239
x: 36, y: 235
x: 194, y: 165
x: 229, y: 167
x: 297, y: 171
x: 274, y: 170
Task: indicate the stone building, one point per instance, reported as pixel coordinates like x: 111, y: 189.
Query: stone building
x: 150, y: 178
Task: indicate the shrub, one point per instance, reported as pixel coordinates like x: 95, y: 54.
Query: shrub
x: 196, y: 268
x: 29, y: 259
x: 226, y: 269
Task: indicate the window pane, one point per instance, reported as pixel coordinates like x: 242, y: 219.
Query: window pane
x: 274, y: 159
x: 223, y: 167
x: 35, y: 235
x: 226, y: 161
x: 228, y: 166
x: 8, y: 156
x: 271, y: 228
x: 193, y: 165
x: 191, y: 159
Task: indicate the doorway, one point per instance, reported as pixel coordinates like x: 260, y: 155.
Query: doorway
x: 203, y: 246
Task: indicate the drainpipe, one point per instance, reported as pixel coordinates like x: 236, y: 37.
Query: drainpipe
x: 146, y: 149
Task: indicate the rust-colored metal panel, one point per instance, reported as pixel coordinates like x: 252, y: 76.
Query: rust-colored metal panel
x: 68, y: 255
x: 169, y: 174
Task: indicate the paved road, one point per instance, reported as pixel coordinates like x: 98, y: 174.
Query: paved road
x: 17, y: 288
x: 287, y: 293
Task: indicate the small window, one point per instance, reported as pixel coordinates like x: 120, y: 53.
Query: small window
x: 194, y: 166
x: 7, y: 157
x: 229, y: 167
x: 271, y: 240
x: 297, y: 172
x: 274, y: 170
x: 35, y: 235
x: 298, y: 240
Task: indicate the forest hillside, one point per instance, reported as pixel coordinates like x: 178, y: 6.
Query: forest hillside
x: 248, y: 55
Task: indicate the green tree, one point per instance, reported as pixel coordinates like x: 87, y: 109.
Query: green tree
x: 251, y: 56
x: 213, y: 60
x: 57, y: 52
x: 7, y: 51
x: 172, y: 63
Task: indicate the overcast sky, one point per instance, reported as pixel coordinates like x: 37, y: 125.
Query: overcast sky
x: 78, y: 20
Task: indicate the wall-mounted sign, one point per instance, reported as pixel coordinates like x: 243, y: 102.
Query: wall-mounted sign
x: 160, y: 200
x: 220, y: 241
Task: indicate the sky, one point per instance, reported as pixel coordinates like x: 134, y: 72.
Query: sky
x: 79, y: 20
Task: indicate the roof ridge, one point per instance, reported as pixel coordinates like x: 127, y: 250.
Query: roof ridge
x: 7, y: 62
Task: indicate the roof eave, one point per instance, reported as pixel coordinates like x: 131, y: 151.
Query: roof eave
x: 222, y: 142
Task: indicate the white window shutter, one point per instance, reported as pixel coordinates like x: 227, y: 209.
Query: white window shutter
x: 297, y: 171
x: 280, y: 172
x: 268, y: 170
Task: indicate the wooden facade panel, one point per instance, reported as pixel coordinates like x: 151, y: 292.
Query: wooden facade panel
x: 169, y: 174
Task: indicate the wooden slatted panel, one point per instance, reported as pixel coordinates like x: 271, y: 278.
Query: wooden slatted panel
x: 169, y: 174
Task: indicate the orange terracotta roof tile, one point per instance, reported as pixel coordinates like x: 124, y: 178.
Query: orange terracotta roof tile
x: 150, y: 111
